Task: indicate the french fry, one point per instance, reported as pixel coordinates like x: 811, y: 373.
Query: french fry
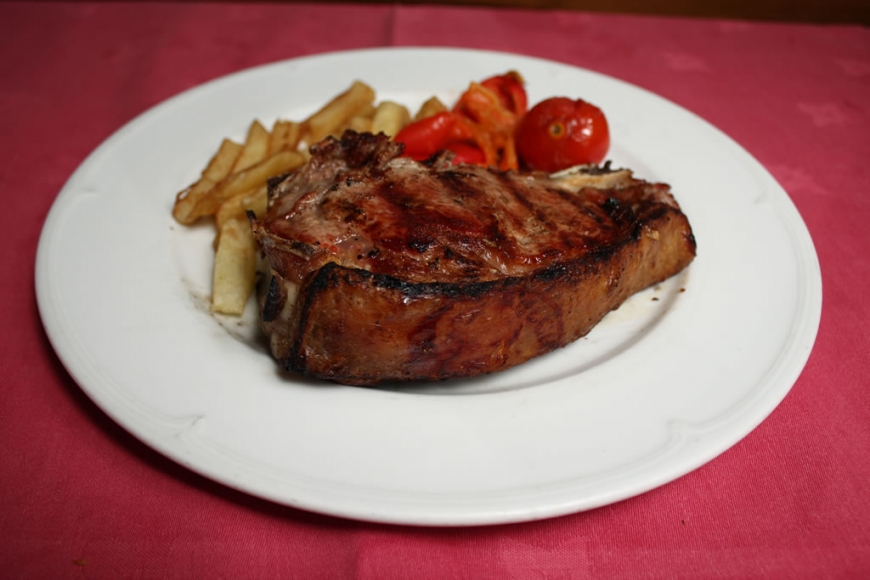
x: 389, y: 118
x: 235, y: 268
x: 257, y: 202
x: 367, y: 111
x: 337, y: 112
x: 254, y: 176
x: 216, y: 170
x: 433, y: 106
x: 222, y: 162
x: 187, y: 199
x: 285, y: 136
x: 256, y: 148
x: 231, y: 209
x: 237, y: 206
x: 359, y: 124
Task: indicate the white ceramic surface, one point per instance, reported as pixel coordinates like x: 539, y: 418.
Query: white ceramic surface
x: 673, y: 378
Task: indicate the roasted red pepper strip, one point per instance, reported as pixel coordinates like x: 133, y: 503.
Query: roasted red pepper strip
x: 484, y: 107
x: 427, y: 136
x: 466, y: 153
x: 444, y: 130
x: 510, y: 91
x: 493, y: 125
x: 462, y: 129
x: 479, y: 128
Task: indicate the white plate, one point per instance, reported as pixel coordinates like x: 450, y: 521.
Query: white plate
x: 667, y: 382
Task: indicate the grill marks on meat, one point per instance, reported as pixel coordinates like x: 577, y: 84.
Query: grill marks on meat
x: 381, y: 268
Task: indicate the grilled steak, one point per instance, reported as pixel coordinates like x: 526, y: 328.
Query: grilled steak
x: 379, y: 268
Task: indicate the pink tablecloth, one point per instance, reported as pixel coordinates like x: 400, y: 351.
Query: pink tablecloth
x: 80, y: 498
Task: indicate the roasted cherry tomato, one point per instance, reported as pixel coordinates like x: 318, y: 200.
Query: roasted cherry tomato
x: 559, y: 132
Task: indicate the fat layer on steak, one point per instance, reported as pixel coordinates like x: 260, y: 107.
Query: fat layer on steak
x: 379, y: 268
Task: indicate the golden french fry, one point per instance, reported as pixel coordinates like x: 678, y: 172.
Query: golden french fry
x: 256, y: 148
x: 216, y: 170
x: 187, y: 199
x: 337, y: 112
x: 231, y: 209
x: 367, y: 112
x: 235, y: 268
x: 222, y: 163
x: 238, y: 206
x: 431, y: 107
x: 257, y: 201
x: 359, y: 124
x: 285, y: 136
x: 389, y: 118
x: 254, y: 176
